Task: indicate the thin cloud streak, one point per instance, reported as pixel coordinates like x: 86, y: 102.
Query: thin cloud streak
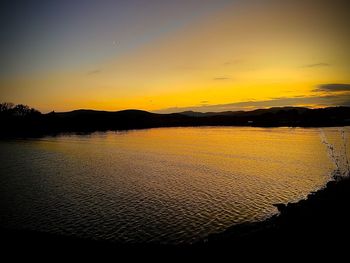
x: 316, y: 65
x: 321, y: 101
x: 221, y: 78
x: 93, y: 72
x: 332, y: 88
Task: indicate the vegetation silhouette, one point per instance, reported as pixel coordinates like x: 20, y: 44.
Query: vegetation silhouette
x: 21, y: 120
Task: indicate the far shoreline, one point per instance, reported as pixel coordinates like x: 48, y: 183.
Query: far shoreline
x: 31, y: 123
x: 82, y: 133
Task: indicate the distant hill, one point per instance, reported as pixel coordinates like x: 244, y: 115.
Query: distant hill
x: 209, y: 114
x: 91, y: 120
x: 243, y: 113
x: 91, y: 113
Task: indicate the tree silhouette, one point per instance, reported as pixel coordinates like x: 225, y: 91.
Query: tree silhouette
x: 6, y: 107
x: 19, y: 110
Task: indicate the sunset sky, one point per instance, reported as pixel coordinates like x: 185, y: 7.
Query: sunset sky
x: 170, y: 56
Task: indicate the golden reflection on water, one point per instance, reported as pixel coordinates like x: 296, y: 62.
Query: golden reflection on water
x: 171, y: 184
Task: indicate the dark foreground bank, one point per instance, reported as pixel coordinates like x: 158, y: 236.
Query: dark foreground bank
x: 321, y: 221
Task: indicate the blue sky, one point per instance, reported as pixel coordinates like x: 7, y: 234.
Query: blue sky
x: 48, y: 35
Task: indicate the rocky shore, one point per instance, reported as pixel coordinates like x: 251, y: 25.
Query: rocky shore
x: 322, y: 219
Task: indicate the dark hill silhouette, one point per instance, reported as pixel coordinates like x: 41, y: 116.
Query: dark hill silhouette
x: 243, y: 113
x: 209, y: 114
x: 20, y: 120
x: 84, y: 112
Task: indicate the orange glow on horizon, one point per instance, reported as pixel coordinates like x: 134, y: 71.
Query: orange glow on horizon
x: 240, y: 53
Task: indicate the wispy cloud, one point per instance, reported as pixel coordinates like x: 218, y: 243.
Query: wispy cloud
x: 316, y: 65
x: 232, y: 62
x: 332, y: 88
x: 222, y: 78
x: 93, y: 72
x: 321, y: 101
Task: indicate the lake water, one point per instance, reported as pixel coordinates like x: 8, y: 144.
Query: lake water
x: 166, y: 185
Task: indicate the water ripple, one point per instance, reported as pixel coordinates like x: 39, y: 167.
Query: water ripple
x: 170, y: 185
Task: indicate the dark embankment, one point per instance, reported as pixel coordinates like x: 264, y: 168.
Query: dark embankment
x: 322, y: 220
x: 23, y: 121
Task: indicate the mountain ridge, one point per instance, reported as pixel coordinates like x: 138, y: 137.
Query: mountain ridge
x: 241, y: 112
x: 83, y: 120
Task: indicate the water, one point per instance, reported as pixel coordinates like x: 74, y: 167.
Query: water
x: 167, y: 185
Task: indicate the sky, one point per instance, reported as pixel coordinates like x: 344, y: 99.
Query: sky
x: 171, y: 56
